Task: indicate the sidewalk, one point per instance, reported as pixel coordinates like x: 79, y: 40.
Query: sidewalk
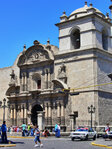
x: 103, y: 143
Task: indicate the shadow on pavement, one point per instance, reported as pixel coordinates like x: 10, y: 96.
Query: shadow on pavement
x: 10, y: 142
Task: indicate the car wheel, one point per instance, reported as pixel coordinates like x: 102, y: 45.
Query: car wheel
x: 94, y: 138
x: 86, y: 137
x: 72, y: 139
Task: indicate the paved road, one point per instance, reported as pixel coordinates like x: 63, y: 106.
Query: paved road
x: 53, y: 143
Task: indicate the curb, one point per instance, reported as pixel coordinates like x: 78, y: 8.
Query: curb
x: 100, y: 145
x: 23, y: 137
x: 20, y: 137
x: 9, y: 145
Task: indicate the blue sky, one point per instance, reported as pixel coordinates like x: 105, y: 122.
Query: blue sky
x: 23, y: 21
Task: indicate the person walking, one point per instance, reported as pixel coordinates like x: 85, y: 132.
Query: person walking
x: 37, y: 136
x: 4, y: 132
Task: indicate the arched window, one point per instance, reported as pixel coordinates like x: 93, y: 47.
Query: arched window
x: 36, y: 81
x: 75, y: 39
x: 104, y: 40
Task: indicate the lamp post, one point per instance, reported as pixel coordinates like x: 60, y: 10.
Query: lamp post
x: 91, y: 110
x: 4, y: 106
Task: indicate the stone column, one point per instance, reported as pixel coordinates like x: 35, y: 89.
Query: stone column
x: 49, y: 114
x: 11, y: 114
x: 46, y: 79
x: 25, y: 81
x: 29, y: 114
x: 15, y: 115
x: 72, y: 124
x: 22, y: 81
x: 46, y: 114
x: 62, y: 113
x: 21, y: 84
x: 29, y: 118
x: 40, y: 122
x: 25, y: 114
x: 58, y: 113
x: 22, y: 114
x: 49, y: 80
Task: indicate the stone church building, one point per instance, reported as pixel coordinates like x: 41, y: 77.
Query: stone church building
x: 49, y: 85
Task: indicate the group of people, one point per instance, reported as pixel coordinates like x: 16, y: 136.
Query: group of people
x: 27, y: 130
x: 36, y: 132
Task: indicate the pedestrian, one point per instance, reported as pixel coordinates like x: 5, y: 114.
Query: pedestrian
x: 57, y: 130
x: 46, y: 133
x: 23, y: 129
x: 107, y: 130
x: 4, y: 132
x: 37, y: 136
x: 29, y: 129
x: 11, y: 130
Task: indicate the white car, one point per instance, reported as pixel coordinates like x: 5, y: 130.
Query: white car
x: 83, y: 134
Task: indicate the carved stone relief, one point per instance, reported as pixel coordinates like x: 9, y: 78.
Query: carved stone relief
x: 62, y: 73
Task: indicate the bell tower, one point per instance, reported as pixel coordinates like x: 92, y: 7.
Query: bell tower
x: 84, y: 28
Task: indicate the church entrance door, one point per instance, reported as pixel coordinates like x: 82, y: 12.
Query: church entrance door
x: 37, y: 115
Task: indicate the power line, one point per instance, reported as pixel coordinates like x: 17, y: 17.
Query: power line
x: 86, y: 87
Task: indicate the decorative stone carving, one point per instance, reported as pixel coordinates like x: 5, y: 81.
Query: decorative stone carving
x: 13, y: 80
x: 36, y: 55
x: 62, y: 73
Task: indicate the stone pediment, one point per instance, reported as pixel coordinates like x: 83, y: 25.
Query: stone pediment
x: 35, y: 54
x: 59, y: 85
x: 13, y: 90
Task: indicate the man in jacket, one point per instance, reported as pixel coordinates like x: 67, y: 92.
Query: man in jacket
x: 4, y: 132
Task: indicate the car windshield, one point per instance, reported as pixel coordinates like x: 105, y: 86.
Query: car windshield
x: 82, y: 129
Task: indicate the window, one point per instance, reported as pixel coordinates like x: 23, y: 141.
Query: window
x: 39, y: 84
x: 75, y: 39
x: 36, y: 81
x: 104, y: 40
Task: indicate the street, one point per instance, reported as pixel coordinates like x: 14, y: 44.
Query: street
x: 53, y: 143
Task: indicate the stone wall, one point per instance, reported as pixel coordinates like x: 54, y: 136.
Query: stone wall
x: 105, y: 108
x: 4, y: 84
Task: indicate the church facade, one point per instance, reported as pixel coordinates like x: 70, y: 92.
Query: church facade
x: 49, y: 85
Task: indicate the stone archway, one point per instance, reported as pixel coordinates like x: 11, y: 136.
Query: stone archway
x: 37, y: 115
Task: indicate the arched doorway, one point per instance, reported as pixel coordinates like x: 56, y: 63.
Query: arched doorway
x: 34, y: 113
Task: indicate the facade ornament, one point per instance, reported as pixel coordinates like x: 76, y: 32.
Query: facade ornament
x: 62, y: 73
x: 24, y: 49
x: 63, y: 17
x: 13, y: 80
x: 48, y: 46
x: 36, y: 42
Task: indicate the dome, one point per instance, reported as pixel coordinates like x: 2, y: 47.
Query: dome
x: 84, y: 10
x: 80, y: 10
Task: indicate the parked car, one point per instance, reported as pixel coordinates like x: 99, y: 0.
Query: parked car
x: 83, y: 134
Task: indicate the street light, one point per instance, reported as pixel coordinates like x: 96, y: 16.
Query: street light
x: 4, y: 106
x: 91, y: 110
